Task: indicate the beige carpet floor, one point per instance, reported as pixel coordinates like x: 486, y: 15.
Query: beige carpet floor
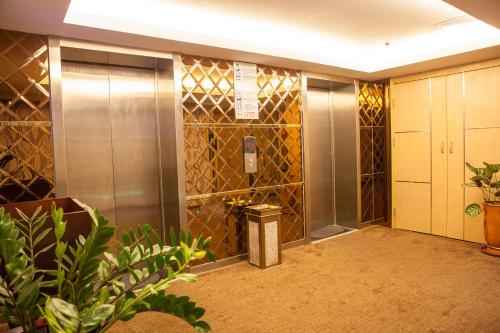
x: 374, y: 280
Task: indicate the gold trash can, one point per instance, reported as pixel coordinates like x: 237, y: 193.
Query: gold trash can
x: 264, y: 235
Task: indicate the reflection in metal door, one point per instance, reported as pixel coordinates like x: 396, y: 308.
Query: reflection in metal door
x: 111, y: 141
x: 321, y: 152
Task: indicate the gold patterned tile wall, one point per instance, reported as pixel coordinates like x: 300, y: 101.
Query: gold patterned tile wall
x: 372, y: 118
x: 26, y: 161
x: 217, y: 188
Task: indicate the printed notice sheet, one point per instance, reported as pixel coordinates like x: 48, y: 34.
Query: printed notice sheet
x: 245, y: 91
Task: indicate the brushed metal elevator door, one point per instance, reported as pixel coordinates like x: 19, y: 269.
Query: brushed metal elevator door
x: 135, y: 146
x: 87, y: 132
x: 321, y: 152
x: 111, y: 141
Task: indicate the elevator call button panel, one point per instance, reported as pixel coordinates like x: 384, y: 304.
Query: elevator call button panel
x: 250, y: 153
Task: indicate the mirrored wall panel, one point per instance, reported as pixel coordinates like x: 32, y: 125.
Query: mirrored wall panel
x: 217, y: 187
x: 372, y: 121
x: 26, y: 162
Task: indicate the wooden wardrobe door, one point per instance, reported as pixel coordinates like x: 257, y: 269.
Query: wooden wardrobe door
x: 411, y: 106
x: 439, y: 156
x: 482, y: 98
x: 456, y: 164
x: 482, y: 135
x: 413, y: 206
x: 481, y: 147
x: 411, y: 155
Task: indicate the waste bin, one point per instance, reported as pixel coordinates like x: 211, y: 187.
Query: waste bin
x: 264, y: 235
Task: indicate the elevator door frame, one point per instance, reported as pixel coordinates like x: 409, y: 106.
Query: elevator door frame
x: 168, y: 117
x: 343, y: 103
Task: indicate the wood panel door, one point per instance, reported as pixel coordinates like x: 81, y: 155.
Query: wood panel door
x: 410, y: 104
x: 411, y: 155
x: 482, y: 135
x: 413, y: 206
x: 447, y: 156
x: 481, y: 146
x: 439, y: 156
x: 412, y: 158
x: 482, y: 98
x: 456, y: 164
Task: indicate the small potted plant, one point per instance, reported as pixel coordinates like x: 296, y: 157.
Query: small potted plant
x: 487, y: 180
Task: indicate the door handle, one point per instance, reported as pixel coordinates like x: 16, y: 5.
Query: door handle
x: 451, y: 147
x: 442, y: 147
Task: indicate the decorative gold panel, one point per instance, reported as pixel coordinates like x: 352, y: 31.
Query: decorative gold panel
x: 26, y: 167
x: 217, y: 166
x: 216, y: 186
x: 372, y: 147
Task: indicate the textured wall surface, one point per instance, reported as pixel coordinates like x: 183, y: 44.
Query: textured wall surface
x: 26, y: 160
x: 372, y: 120
x: 216, y: 185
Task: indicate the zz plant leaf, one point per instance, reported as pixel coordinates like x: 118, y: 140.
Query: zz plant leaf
x: 86, y: 291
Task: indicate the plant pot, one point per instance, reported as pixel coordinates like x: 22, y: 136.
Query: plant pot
x: 492, y: 229
x: 79, y: 223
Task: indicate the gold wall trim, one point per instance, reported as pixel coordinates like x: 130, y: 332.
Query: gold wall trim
x: 243, y: 191
x: 26, y: 123
x: 212, y: 125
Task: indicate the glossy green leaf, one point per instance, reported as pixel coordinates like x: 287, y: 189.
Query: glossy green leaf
x: 97, y: 315
x: 211, y: 256
x: 126, y: 238
x: 173, y: 238
x: 59, y: 230
x: 203, y: 327
x: 61, y: 316
x: 473, y: 209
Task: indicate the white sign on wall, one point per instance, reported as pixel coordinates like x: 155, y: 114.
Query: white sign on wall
x: 246, y: 91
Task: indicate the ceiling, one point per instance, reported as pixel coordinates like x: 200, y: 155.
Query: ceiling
x: 360, y: 21
x: 345, y: 38
x: 484, y: 10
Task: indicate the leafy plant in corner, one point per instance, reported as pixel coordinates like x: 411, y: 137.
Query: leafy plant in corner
x: 487, y: 180
x: 91, y: 288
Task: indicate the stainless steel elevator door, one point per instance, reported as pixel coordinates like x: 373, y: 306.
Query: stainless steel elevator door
x: 87, y: 129
x: 135, y: 146
x: 111, y: 141
x: 321, y: 152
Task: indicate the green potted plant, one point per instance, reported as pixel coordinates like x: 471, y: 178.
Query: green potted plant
x: 486, y: 178
x: 90, y: 288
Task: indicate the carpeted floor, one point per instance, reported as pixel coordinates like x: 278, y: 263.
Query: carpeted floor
x: 374, y: 280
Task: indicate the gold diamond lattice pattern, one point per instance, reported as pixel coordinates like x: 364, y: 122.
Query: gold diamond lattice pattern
x: 367, y: 198
x: 373, y: 151
x: 216, y: 186
x: 208, y: 93
x: 26, y: 163
x: 214, y: 158
x: 225, y: 222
